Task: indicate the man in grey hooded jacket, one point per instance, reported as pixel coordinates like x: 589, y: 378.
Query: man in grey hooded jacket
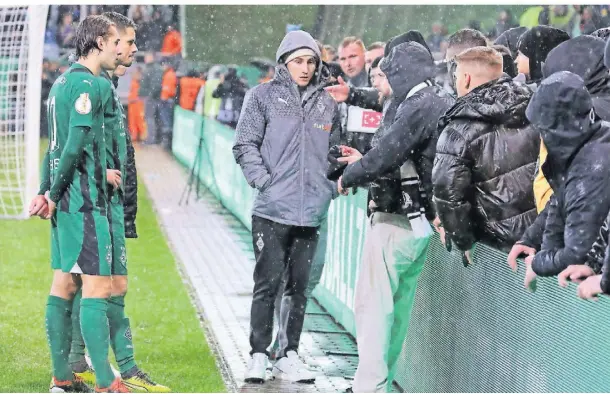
x: 283, y: 136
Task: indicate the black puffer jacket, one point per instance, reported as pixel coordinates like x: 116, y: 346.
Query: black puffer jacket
x: 484, y: 166
x: 577, y: 168
x: 408, y: 130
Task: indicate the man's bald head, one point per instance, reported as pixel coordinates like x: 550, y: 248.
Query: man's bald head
x: 475, y: 67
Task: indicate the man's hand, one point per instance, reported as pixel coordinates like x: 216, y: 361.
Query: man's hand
x: 350, y: 155
x: 590, y: 288
x: 340, y: 188
x: 530, y: 275
x: 113, y: 177
x: 438, y: 226
x: 51, y: 205
x: 516, y: 251
x: 574, y: 273
x: 468, y: 255
x: 38, y: 206
x: 339, y: 92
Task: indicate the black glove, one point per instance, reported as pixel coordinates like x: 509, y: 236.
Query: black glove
x: 336, y: 168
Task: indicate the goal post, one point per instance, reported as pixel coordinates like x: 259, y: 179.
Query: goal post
x: 21, y: 53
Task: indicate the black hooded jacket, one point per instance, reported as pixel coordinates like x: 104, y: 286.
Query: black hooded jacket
x: 484, y: 166
x: 408, y: 130
x: 583, y: 56
x: 577, y: 168
x: 536, y: 45
x: 510, y: 39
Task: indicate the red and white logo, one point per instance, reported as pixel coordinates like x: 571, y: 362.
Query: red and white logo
x: 371, y: 119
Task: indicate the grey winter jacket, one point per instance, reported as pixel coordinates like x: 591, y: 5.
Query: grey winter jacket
x: 282, y: 141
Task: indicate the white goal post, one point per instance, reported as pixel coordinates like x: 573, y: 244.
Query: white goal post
x: 22, y: 32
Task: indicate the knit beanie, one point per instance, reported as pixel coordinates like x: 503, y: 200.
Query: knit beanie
x: 536, y: 44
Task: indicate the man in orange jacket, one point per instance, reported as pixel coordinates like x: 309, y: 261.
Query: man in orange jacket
x: 169, y: 85
x: 189, y: 87
x: 172, y: 42
x: 135, y: 109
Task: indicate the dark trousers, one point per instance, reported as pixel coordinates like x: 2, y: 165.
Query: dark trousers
x: 151, y: 115
x: 166, y: 118
x: 280, y: 248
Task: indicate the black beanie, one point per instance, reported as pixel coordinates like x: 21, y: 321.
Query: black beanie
x: 510, y: 39
x: 411, y: 35
x: 536, y: 45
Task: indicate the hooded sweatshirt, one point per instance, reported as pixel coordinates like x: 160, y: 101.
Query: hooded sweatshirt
x: 510, y: 39
x: 405, y: 146
x: 282, y: 139
x: 536, y: 45
x: 583, y: 56
x: 484, y: 166
x: 577, y: 165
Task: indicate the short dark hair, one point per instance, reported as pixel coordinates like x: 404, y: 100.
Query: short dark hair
x: 121, y: 21
x: 87, y: 33
x: 376, y: 45
x: 467, y: 38
x: 376, y: 62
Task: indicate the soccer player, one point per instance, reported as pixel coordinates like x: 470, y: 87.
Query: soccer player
x: 75, y: 167
x: 118, y: 143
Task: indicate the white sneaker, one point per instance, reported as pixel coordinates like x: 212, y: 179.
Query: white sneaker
x: 116, y: 373
x: 257, y: 368
x: 293, y: 369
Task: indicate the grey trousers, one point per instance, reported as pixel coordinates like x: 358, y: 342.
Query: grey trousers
x: 151, y: 116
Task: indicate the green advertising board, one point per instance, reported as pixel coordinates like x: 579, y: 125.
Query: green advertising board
x: 472, y: 329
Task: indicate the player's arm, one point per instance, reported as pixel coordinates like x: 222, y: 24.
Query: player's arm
x: 45, y: 175
x: 131, y: 191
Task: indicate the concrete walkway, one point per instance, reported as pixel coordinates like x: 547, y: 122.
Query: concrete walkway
x: 214, y: 254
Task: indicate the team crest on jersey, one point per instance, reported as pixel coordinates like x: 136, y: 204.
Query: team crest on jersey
x: 61, y: 80
x: 260, y: 244
x: 123, y: 256
x: 83, y: 104
x: 128, y: 333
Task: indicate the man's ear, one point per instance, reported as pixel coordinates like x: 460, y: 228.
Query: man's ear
x: 100, y: 42
x: 467, y: 80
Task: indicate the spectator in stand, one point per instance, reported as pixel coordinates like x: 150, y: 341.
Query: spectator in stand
x: 140, y: 13
x: 151, y: 33
x: 562, y: 17
x: 232, y: 91
x: 172, y: 43
x: 282, y: 140
x: 51, y: 49
x: 150, y: 92
x: 510, y: 39
x: 485, y: 158
x: 399, y: 232
x: 352, y: 61
x: 591, y: 20
x: 508, y: 62
x: 169, y: 86
x: 458, y: 42
x: 135, y: 108
x: 534, y: 45
x: 577, y: 168
x: 505, y: 22
x: 374, y: 51
x: 188, y: 89
x: 436, y: 39
x: 331, y: 54
x: 47, y: 83
x: 66, y: 31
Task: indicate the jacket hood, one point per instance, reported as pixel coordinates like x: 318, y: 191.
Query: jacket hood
x: 295, y: 40
x: 562, y: 110
x: 602, y: 33
x: 510, y: 39
x: 410, y: 36
x: 583, y: 56
x: 536, y: 45
x: 502, y: 101
x: 406, y: 66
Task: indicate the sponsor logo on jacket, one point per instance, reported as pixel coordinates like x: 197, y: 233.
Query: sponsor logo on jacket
x: 325, y: 127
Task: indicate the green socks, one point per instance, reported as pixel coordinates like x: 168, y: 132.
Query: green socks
x: 58, y: 326
x: 77, y: 348
x: 120, y: 334
x: 94, y: 327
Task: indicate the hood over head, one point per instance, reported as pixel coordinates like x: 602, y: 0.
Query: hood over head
x: 293, y: 41
x: 536, y: 45
x: 406, y: 66
x: 562, y: 110
x: 603, y: 33
x: 510, y: 39
x: 410, y: 36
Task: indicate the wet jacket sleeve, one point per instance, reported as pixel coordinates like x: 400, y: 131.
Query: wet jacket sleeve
x: 404, y: 136
x: 250, y: 133
x: 68, y: 161
x: 365, y: 98
x: 45, y: 175
x: 533, y: 235
x: 130, y: 204
x: 585, y: 207
x: 452, y: 182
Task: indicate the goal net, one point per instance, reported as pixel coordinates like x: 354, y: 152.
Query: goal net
x: 21, y: 50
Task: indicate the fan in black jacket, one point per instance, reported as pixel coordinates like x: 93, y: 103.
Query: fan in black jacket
x: 484, y: 166
x: 577, y: 166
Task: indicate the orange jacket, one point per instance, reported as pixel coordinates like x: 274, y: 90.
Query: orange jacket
x: 189, y: 88
x: 134, y: 89
x: 169, y: 85
x: 172, y: 43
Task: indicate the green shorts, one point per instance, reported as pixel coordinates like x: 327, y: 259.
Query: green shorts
x: 80, y: 243
x: 116, y: 220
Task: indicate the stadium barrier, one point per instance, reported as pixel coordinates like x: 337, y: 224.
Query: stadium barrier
x: 472, y: 329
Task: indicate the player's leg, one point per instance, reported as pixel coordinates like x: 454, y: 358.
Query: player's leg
x: 78, y: 362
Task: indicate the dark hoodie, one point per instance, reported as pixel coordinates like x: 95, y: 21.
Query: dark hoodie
x: 510, y: 39
x: 536, y: 45
x: 408, y: 133
x: 484, y: 166
x: 576, y: 167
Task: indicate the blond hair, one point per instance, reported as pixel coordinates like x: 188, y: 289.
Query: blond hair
x: 347, y: 41
x: 482, y: 56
